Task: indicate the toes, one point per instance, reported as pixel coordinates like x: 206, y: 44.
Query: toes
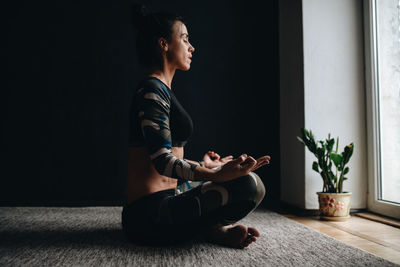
x: 253, y: 231
x: 238, y: 236
x: 248, y: 241
x: 241, y: 232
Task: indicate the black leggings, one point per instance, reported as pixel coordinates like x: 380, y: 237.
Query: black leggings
x: 164, y: 218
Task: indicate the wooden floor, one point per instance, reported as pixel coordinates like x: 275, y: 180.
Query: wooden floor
x: 377, y: 238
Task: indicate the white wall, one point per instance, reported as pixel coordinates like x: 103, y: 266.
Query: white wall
x: 334, y: 101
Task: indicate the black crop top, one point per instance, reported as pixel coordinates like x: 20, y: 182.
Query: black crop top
x: 158, y: 121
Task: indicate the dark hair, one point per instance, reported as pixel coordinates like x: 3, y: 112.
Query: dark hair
x: 150, y: 27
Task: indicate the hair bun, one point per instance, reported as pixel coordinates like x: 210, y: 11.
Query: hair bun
x: 139, y: 16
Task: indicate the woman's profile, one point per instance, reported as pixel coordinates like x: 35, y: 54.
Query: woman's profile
x: 159, y: 129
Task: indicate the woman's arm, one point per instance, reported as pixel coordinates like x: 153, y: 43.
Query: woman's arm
x: 154, y: 108
x: 198, y: 163
x: 153, y: 104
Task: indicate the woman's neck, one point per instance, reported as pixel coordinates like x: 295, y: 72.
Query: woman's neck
x: 166, y: 75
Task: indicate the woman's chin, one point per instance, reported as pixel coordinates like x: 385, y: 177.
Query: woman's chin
x: 185, y: 68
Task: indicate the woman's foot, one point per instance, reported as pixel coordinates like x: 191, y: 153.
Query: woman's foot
x: 238, y: 236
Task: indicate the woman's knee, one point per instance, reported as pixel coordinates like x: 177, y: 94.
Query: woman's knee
x: 260, y: 188
x: 248, y: 187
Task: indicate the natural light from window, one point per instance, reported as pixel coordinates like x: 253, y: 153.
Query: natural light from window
x: 388, y: 56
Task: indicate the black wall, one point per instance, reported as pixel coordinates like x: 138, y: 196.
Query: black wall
x: 70, y: 72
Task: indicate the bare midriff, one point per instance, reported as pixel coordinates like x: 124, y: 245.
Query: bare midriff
x: 143, y: 179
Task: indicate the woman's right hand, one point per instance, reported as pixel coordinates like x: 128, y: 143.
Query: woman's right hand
x: 239, y: 167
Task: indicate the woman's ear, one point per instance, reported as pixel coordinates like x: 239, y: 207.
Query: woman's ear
x: 163, y: 44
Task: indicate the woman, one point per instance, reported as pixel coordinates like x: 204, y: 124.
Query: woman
x: 154, y: 213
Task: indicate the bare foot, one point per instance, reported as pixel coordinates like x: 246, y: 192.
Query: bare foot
x: 238, y: 236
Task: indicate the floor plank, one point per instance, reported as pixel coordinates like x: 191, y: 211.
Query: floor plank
x: 379, y: 218
x: 377, y: 238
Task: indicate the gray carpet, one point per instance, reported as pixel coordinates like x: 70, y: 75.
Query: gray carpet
x: 92, y: 236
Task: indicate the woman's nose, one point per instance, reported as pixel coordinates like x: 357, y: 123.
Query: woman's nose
x: 191, y: 48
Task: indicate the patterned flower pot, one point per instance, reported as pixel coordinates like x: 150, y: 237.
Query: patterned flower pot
x: 334, y: 206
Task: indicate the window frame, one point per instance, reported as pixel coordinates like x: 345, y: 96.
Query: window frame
x: 374, y: 204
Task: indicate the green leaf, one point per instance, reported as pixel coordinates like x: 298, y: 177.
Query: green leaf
x: 348, y: 152
x: 304, y: 131
x: 320, y: 152
x: 337, y: 159
x: 313, y: 147
x: 344, y: 178
x: 308, y: 140
x: 310, y: 134
x: 346, y: 170
x: 301, y: 140
x: 315, y: 166
x: 304, y: 139
x: 330, y: 143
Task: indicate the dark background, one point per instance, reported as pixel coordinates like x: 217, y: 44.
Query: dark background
x: 70, y: 71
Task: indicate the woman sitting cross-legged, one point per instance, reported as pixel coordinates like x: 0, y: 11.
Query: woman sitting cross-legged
x: 154, y: 213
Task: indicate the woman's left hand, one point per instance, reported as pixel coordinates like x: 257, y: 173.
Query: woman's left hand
x: 212, y: 160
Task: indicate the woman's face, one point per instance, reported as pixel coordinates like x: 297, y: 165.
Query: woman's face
x: 179, y: 49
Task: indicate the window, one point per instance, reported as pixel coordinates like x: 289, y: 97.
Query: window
x: 382, y: 43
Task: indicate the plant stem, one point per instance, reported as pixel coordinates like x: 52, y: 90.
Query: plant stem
x: 337, y: 145
x: 339, y: 188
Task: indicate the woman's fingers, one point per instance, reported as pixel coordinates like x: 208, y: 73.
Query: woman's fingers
x: 214, y: 155
x: 240, y: 166
x: 258, y: 166
x: 249, y: 163
x: 264, y: 159
x: 226, y: 159
x: 240, y: 159
x: 261, y: 162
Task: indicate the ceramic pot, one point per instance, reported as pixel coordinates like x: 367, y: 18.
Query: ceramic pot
x: 334, y: 206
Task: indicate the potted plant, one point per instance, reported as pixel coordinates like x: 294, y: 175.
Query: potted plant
x: 334, y: 204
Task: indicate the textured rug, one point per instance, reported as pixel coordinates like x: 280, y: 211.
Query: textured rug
x: 92, y: 236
